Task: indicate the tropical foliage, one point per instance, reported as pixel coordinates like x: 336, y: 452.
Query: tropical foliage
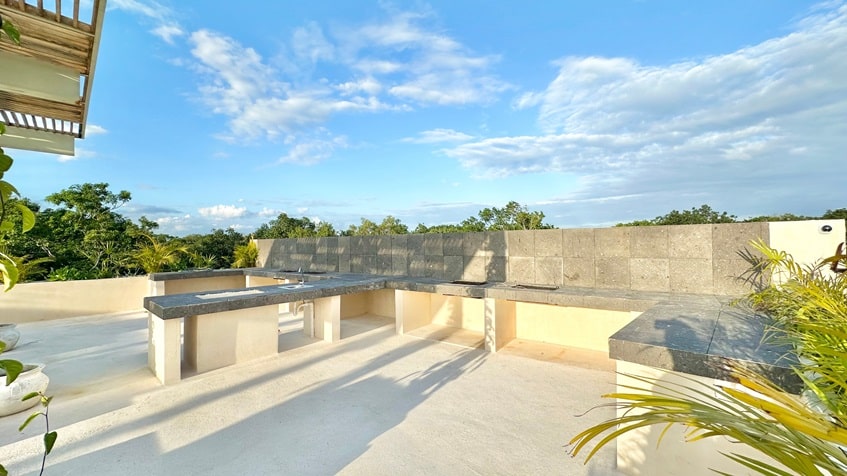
x: 805, y: 434
x: 9, y: 269
x: 157, y: 256
x: 246, y: 255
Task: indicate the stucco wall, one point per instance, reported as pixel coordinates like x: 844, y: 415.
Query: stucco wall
x: 700, y: 259
x: 40, y: 301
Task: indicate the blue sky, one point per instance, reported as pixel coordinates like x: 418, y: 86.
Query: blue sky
x: 216, y: 114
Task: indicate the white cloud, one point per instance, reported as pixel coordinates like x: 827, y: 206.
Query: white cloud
x: 435, y: 136
x: 314, y: 150
x: 168, y: 32
x: 170, y: 220
x: 386, y: 64
x: 219, y: 212
x: 367, y: 85
x: 310, y: 43
x: 266, y: 212
x: 237, y: 73
x: 149, y: 8
x: 240, y: 85
x: 93, y: 129
x: 426, y: 67
x: 166, y: 27
x: 728, y: 121
x: 80, y: 153
x: 174, y: 224
x: 375, y: 66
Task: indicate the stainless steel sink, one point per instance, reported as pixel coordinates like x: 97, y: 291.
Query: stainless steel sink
x: 296, y: 286
x: 540, y: 287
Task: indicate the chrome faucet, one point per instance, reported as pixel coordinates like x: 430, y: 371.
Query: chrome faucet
x: 302, y: 279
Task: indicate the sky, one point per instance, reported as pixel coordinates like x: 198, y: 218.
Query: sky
x: 221, y: 114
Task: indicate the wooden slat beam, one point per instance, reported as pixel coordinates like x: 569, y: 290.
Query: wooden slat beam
x: 44, y: 14
x: 41, y: 107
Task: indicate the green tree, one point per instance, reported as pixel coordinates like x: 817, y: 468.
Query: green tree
x: 513, y: 216
x: 90, y: 201
x: 217, y: 245
x: 783, y: 217
x: 284, y: 226
x: 366, y: 227
x: 85, y: 232
x: 695, y: 216
x: 837, y: 214
x: 421, y: 228
x: 389, y: 226
x: 325, y: 229
x: 146, y: 225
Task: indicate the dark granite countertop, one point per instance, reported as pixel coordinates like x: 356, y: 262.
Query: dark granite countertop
x: 691, y: 333
x: 704, y: 340
x: 191, y: 304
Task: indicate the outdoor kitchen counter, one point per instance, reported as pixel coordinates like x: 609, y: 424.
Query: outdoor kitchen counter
x: 190, y: 304
x: 694, y: 334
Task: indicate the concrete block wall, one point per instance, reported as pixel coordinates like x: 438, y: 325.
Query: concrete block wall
x: 699, y: 259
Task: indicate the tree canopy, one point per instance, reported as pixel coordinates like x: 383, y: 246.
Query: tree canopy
x: 84, y: 236
x: 389, y: 226
x: 695, y: 216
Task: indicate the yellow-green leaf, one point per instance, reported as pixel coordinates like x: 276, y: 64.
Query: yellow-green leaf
x: 28, y: 421
x: 13, y: 368
x: 27, y: 217
x: 9, y: 273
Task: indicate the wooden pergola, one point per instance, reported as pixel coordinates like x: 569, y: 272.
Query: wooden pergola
x: 46, y: 81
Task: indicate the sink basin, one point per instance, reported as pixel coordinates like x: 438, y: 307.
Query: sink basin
x: 296, y: 286
x: 470, y: 283
x: 228, y: 294
x: 542, y: 287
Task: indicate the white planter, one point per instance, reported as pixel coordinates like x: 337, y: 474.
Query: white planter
x: 30, y: 380
x: 9, y: 335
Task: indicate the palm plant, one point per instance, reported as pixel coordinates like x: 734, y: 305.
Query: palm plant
x: 245, y: 255
x: 804, y: 434
x: 27, y: 267
x: 156, y: 256
x: 199, y: 260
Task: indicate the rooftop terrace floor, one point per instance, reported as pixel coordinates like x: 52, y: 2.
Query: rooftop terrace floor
x: 373, y: 403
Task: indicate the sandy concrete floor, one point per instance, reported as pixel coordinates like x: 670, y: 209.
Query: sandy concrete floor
x: 374, y: 403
